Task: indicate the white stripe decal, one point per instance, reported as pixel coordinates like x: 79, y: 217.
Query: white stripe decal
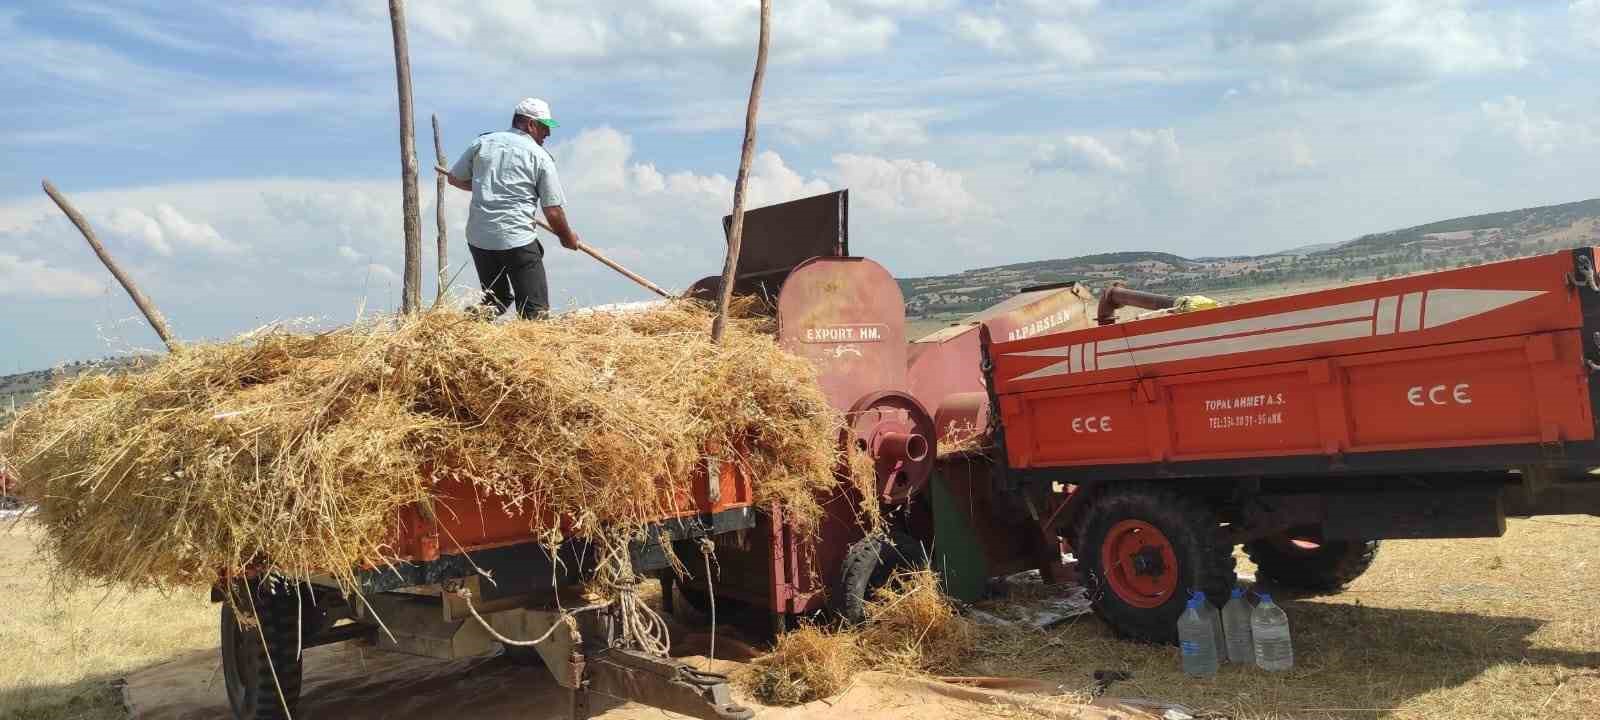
x: 1311, y: 316
x: 1447, y: 306
x: 1387, y: 308
x: 1346, y: 321
x: 1411, y: 312
x: 1251, y: 343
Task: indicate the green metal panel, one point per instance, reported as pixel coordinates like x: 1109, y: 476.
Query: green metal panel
x: 957, y: 546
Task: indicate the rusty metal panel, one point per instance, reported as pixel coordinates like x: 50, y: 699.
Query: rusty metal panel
x: 779, y: 237
x: 946, y: 362
x: 847, y: 316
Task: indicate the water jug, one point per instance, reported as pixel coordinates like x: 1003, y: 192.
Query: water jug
x: 1269, y: 630
x: 1236, y: 628
x: 1197, y: 639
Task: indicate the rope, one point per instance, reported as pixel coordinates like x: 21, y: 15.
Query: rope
x: 641, y: 625
x: 564, y: 619
x: 707, y: 548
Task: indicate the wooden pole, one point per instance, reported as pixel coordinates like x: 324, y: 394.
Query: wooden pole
x: 438, y: 212
x: 736, y: 228
x: 411, y: 279
x: 151, y: 314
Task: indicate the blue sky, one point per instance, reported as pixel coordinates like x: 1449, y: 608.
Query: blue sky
x: 241, y: 158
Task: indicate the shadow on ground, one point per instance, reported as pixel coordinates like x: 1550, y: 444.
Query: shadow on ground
x: 1351, y: 660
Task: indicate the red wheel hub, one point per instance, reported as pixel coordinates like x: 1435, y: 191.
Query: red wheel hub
x: 1139, y: 564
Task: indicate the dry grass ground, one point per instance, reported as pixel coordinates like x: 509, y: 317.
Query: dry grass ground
x: 61, y: 655
x: 1487, y: 628
x: 1491, y: 628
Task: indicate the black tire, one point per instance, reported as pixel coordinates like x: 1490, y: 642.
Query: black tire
x: 1327, y: 567
x: 1203, y: 559
x: 253, y: 687
x: 869, y: 563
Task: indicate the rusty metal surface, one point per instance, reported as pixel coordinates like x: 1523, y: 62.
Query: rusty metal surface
x: 899, y: 434
x: 1120, y: 296
x: 847, y: 316
x: 777, y: 238
x: 946, y: 362
x: 664, y: 683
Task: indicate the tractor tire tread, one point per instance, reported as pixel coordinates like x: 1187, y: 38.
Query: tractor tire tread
x: 867, y: 565
x: 1328, y: 569
x: 1191, y: 527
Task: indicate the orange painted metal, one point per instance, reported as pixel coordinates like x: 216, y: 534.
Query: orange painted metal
x: 945, y: 369
x: 1490, y: 355
x: 463, y: 519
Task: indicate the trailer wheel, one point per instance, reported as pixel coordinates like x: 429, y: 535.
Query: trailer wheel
x: 869, y: 563
x: 1141, y: 548
x: 1303, y: 561
x: 253, y: 691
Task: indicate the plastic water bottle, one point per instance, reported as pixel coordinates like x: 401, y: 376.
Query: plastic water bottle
x: 1212, y: 614
x: 1269, y: 629
x: 1197, y: 639
x: 1236, y: 628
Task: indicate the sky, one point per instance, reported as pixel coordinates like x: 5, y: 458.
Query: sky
x: 242, y: 159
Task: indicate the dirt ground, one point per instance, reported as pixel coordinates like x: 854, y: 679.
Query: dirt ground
x: 1488, y: 628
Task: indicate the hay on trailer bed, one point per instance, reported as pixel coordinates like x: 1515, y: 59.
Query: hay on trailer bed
x: 292, y: 453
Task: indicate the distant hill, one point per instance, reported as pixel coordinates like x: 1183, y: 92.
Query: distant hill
x: 16, y: 390
x: 1448, y: 243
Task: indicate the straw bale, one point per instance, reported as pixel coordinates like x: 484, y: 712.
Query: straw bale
x: 291, y: 453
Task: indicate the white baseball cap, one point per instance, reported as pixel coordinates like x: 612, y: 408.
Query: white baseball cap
x: 536, y: 109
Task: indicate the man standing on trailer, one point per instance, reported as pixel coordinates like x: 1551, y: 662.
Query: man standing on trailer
x: 511, y: 176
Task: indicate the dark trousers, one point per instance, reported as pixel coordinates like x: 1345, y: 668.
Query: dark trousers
x: 515, y: 275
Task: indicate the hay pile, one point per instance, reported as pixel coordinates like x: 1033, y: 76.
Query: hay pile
x: 911, y: 628
x: 291, y: 453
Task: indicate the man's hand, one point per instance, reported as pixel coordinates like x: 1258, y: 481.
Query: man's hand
x: 558, y: 225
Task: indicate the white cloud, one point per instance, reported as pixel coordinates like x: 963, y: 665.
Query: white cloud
x: 1586, y: 21
x: 1373, y: 42
x: 1056, y: 39
x: 615, y: 33
x: 1063, y: 41
x: 1537, y: 133
x: 1079, y: 153
x: 987, y: 32
x: 189, y: 233
x: 879, y: 128
x: 33, y: 279
x: 906, y: 186
x: 135, y: 224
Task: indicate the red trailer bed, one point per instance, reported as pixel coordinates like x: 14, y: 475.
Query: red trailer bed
x: 1489, y: 358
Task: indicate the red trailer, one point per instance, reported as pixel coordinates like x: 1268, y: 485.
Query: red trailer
x: 1305, y: 427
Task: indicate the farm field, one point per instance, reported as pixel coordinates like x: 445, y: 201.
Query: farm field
x: 1487, y: 628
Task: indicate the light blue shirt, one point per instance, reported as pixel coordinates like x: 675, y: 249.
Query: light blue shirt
x: 512, y: 177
